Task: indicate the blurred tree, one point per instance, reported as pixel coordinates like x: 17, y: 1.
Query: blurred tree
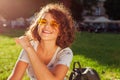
x: 76, y: 9
x: 13, y: 9
x: 112, y: 9
x: 88, y: 5
x: 67, y: 3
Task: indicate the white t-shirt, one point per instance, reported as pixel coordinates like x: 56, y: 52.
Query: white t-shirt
x: 61, y: 56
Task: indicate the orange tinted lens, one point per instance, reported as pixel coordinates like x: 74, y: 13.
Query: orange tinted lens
x: 54, y: 24
x: 42, y: 22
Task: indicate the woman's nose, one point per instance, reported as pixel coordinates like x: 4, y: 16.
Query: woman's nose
x: 47, y: 26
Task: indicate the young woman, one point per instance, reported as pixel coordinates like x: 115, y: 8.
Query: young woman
x: 46, y: 54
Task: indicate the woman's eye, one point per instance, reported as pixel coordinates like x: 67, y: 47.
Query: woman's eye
x: 54, y: 24
x: 42, y: 22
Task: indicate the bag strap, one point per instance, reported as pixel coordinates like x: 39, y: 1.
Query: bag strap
x: 74, y: 65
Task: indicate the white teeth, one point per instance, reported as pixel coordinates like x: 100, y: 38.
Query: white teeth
x: 45, y: 31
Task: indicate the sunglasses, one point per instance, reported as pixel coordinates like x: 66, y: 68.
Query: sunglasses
x: 44, y: 22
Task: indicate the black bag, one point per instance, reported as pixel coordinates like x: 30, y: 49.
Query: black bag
x: 83, y: 73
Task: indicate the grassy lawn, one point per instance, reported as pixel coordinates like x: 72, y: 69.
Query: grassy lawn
x: 100, y: 51
x: 9, y: 51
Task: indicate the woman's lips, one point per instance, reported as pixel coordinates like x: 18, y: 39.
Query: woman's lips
x: 46, y: 32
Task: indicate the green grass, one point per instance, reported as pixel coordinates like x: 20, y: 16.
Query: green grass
x: 99, y: 51
x: 9, y: 51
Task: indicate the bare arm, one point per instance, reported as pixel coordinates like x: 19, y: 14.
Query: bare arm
x: 40, y: 69
x: 18, y: 71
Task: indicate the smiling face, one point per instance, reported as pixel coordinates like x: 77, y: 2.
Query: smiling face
x: 48, y: 28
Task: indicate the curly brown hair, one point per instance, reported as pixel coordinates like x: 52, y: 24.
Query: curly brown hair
x: 62, y: 15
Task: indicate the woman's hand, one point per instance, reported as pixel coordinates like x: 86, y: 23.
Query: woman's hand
x: 23, y: 41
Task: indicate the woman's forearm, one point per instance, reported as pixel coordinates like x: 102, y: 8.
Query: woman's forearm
x: 40, y: 69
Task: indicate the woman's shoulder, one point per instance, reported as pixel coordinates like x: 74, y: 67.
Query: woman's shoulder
x: 65, y: 51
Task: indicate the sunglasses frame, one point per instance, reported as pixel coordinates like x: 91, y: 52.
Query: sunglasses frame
x: 44, y: 22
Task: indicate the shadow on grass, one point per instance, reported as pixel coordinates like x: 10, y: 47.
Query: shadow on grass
x: 102, y: 47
